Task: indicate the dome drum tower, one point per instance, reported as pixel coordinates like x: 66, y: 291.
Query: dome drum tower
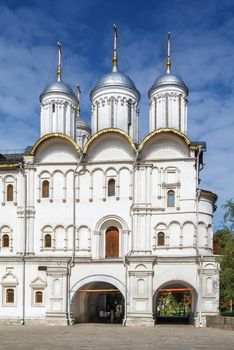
x: 168, y: 101
x: 115, y: 101
x: 60, y: 110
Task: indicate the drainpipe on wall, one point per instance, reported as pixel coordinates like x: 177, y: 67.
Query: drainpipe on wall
x: 126, y: 291
x: 22, y: 168
x: 131, y: 250
x: 198, y: 193
x: 133, y: 193
x: 72, y: 259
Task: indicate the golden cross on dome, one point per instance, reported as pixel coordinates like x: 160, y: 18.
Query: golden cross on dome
x: 168, y: 64
x: 59, y: 70
x: 115, y: 58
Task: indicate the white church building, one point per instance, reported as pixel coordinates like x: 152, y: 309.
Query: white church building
x: 96, y: 224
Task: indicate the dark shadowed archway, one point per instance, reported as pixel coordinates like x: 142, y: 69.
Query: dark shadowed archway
x: 98, y: 302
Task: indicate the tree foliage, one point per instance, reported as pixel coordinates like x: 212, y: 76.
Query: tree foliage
x: 224, y: 245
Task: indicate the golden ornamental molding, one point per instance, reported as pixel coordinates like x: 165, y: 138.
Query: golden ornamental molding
x: 194, y: 148
x: 59, y: 135
x: 109, y: 130
x: 2, y: 166
x: 165, y: 130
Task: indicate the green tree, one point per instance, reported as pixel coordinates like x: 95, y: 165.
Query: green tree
x: 229, y: 215
x: 225, y: 247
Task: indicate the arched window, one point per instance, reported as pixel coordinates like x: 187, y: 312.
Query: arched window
x: 170, y: 198
x: 10, y: 296
x: 38, y: 297
x: 5, y: 241
x: 111, y: 188
x: 47, y: 241
x: 112, y: 242
x: 161, y: 239
x: 10, y: 189
x: 45, y: 189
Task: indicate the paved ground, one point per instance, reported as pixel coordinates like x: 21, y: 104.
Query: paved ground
x: 114, y: 337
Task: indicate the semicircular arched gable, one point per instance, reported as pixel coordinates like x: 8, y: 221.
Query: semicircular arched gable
x: 165, y: 146
x: 110, y: 146
x: 56, y: 150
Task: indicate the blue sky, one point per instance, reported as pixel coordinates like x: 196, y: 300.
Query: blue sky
x: 202, y: 35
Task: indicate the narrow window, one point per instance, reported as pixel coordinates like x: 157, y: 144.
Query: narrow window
x: 111, y: 188
x: 10, y: 189
x: 112, y: 112
x: 10, y: 296
x: 38, y: 297
x: 53, y: 108
x: 167, y: 112
x: 45, y: 189
x: 180, y: 98
x: 155, y: 113
x: 97, y: 108
x: 5, y: 241
x: 129, y: 115
x: 47, y: 241
x: 170, y: 198
x: 161, y: 239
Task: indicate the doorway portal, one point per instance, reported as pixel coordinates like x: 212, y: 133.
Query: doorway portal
x: 112, y: 242
x: 98, y: 302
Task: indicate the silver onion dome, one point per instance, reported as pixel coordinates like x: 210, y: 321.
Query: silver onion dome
x: 60, y: 87
x: 115, y: 78
x: 169, y: 79
x: 82, y: 124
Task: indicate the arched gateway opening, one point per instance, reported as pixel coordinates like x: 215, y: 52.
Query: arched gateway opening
x: 98, y: 302
x: 175, y: 302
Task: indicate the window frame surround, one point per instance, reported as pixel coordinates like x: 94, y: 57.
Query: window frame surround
x: 164, y: 239
x: 174, y: 198
x: 38, y: 285
x: 42, y: 188
x: 10, y: 234
x: 9, y: 193
x: 9, y: 180
x: 9, y: 281
x: 44, y: 241
x: 44, y: 232
x: 168, y: 185
x: 110, y: 174
x: 5, y: 296
x: 111, y: 179
x: 161, y: 227
x: 3, y: 246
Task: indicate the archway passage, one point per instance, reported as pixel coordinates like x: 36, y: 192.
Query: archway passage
x: 98, y: 302
x: 174, y: 303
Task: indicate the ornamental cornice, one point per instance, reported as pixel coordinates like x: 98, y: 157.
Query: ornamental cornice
x: 209, y: 195
x: 167, y: 94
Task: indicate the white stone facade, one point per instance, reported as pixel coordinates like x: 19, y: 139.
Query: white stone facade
x: 58, y: 202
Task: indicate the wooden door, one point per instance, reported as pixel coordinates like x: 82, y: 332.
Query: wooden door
x: 112, y: 242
